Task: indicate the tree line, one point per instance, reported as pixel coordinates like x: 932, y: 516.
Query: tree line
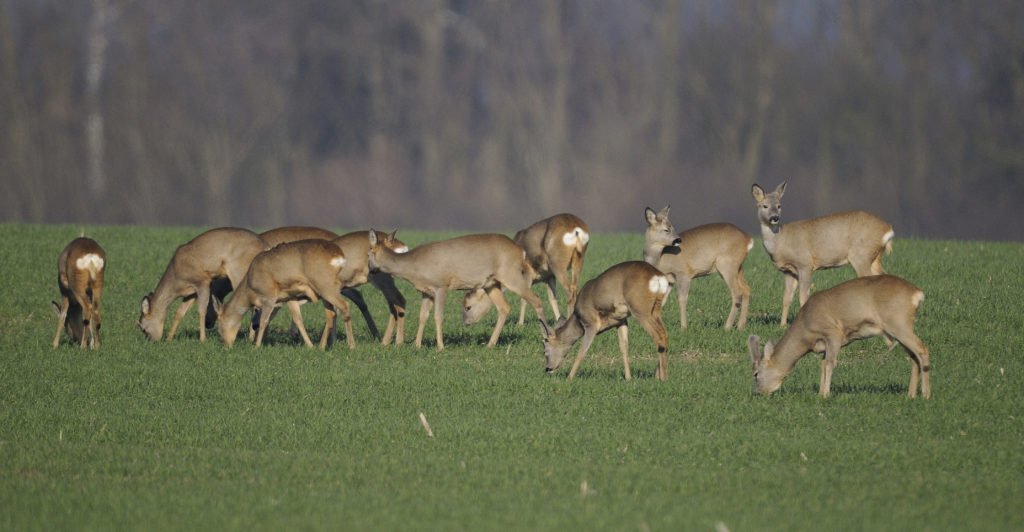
x: 489, y: 115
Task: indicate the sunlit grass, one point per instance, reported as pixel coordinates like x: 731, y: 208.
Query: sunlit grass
x: 183, y: 435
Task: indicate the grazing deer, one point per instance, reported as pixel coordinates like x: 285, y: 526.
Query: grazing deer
x: 858, y: 238
x: 306, y: 269
x: 489, y: 262
x: 697, y: 252
x: 554, y: 247
x: 627, y: 289
x: 80, y: 270
x: 859, y: 308
x: 216, y: 254
x: 356, y: 272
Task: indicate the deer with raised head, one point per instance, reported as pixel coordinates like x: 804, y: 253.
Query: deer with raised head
x: 222, y: 253
x: 555, y: 248
x: 489, y: 262
x: 627, y: 289
x: 302, y: 270
x: 697, y: 252
x: 858, y: 238
x: 856, y: 309
x: 80, y: 270
x: 356, y: 272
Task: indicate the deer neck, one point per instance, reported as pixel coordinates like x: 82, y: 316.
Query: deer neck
x: 769, y: 235
x: 652, y: 252
x: 791, y: 348
x: 570, y: 331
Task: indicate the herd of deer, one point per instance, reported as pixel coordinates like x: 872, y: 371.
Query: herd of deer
x: 291, y: 265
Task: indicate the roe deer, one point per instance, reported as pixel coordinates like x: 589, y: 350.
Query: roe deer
x: 222, y: 253
x: 306, y: 269
x: 856, y: 309
x: 858, y: 238
x: 627, y: 289
x: 554, y: 247
x: 489, y: 262
x: 80, y: 270
x: 356, y: 272
x: 697, y: 252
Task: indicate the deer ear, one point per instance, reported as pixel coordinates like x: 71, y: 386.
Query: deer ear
x: 545, y: 330
x: 754, y: 345
x: 769, y: 350
x: 145, y: 304
x: 650, y: 216
x: 373, y: 237
x: 781, y: 189
x: 757, y: 192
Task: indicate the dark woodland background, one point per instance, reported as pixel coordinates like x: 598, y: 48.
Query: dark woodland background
x: 491, y: 114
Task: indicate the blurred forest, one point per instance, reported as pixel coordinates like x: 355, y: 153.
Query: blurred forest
x: 492, y: 114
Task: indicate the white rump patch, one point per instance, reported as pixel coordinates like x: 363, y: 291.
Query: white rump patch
x: 917, y: 298
x: 887, y: 237
x: 90, y: 261
x: 403, y: 249
x: 750, y: 245
x: 338, y: 261
x: 658, y: 284
x: 577, y: 235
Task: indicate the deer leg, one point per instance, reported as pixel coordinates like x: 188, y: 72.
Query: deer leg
x: 522, y: 311
x: 186, y: 303
x: 503, y: 308
x: 425, y: 304
x: 339, y: 306
x: 828, y: 363
x: 62, y: 316
x: 563, y: 279
x: 787, y: 295
x: 919, y: 356
x: 683, y: 294
x: 806, y: 282
x: 360, y: 303
x: 396, y: 306
x: 744, y: 292
x: 202, y: 301
x: 655, y: 327
x: 588, y: 338
x: 439, y: 297
x: 295, y: 311
x: 94, y: 323
x: 623, y: 332
x: 265, y: 311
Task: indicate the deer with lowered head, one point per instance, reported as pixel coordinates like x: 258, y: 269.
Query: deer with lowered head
x: 627, y: 289
x: 356, y: 272
x: 222, y: 253
x: 80, y: 269
x: 856, y: 309
x: 697, y: 252
x: 858, y: 238
x: 301, y: 270
x: 489, y: 262
x: 555, y: 248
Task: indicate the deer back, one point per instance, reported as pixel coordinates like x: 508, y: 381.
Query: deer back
x: 460, y: 263
x: 701, y: 247
x: 281, y: 235
x: 830, y: 240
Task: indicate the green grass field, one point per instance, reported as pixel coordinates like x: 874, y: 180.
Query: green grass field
x: 182, y: 435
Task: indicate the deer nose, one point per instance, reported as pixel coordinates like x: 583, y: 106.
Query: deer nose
x: 549, y: 370
x: 677, y: 241
x: 774, y: 219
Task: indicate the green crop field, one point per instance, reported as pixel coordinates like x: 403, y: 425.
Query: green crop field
x: 184, y: 435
